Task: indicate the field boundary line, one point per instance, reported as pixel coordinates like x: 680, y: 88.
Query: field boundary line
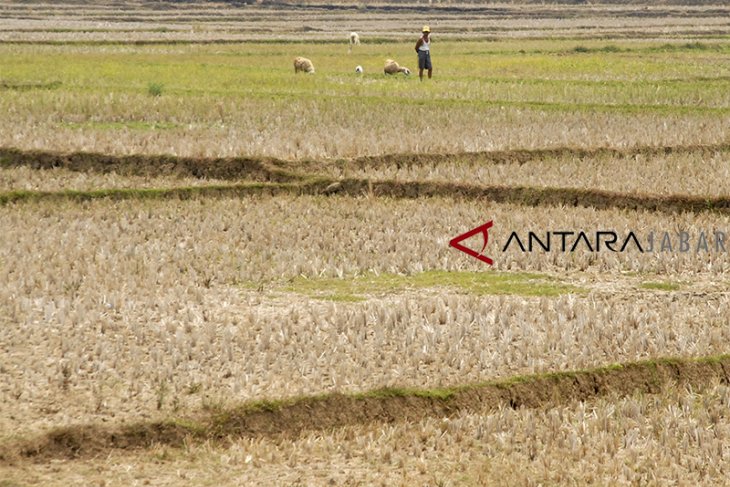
x: 182, y: 193
x: 281, y: 170
x: 265, y: 169
x: 523, y: 156
x: 359, y: 187
x: 271, y: 176
x: 538, y: 196
x: 291, y: 418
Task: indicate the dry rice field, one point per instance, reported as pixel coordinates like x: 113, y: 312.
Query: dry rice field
x: 218, y: 272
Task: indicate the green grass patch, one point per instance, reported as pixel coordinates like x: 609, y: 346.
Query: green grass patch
x: 480, y: 283
x: 9, y: 85
x: 660, y: 286
x: 155, y: 89
x: 609, y: 48
x: 690, y: 46
x: 266, y: 405
x: 193, y: 427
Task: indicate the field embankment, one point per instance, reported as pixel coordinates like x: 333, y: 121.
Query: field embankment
x: 294, y: 417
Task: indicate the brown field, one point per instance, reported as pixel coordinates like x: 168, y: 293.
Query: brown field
x: 303, y: 128
x: 216, y: 272
x: 676, y: 436
x: 316, y: 21
x: 628, y: 172
x: 210, y: 332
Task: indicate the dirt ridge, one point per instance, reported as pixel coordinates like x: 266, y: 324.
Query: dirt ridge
x: 536, y: 196
x: 523, y: 156
x: 280, y: 170
x: 355, y: 187
x: 271, y: 176
x: 292, y: 418
x: 227, y: 168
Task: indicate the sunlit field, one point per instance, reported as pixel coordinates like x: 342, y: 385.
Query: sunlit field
x: 217, y: 271
x: 244, y: 99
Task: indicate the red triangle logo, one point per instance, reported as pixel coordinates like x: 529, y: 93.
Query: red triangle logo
x: 484, y: 230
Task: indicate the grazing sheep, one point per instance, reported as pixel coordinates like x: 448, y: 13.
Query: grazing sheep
x: 358, y: 69
x: 303, y: 64
x: 354, y: 41
x: 392, y: 67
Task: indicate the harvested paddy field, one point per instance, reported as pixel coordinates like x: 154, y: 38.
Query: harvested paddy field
x: 213, y: 314
x: 697, y: 171
x: 674, y: 436
x: 217, y: 271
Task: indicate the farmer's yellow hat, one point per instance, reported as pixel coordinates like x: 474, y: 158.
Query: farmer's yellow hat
x: 426, y: 29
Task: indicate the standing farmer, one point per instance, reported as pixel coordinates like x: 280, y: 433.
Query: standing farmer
x: 423, y: 48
